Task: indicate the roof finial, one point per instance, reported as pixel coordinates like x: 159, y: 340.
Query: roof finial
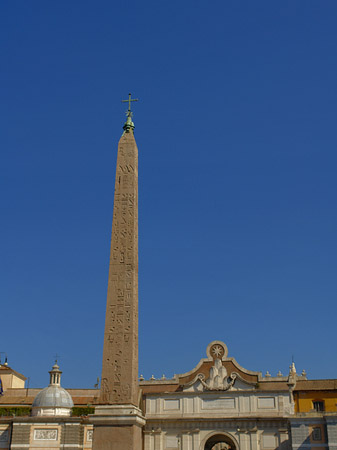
x: 292, y: 369
x: 129, y: 124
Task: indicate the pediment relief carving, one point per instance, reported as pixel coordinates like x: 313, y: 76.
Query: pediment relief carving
x: 218, y: 380
x: 218, y: 350
x: 216, y: 372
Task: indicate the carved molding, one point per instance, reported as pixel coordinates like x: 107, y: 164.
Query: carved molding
x: 45, y: 435
x: 89, y: 435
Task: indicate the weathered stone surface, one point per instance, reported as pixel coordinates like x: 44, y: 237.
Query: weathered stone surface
x: 117, y: 437
x: 72, y: 434
x: 20, y: 434
x: 119, y: 383
x: 119, y: 426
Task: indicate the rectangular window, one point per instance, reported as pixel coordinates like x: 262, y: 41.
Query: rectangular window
x: 316, y: 434
x: 318, y: 405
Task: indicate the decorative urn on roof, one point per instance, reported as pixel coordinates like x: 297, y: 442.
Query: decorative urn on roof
x: 53, y: 400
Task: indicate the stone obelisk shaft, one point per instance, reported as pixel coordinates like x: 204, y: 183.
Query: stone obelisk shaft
x: 118, y: 421
x: 119, y: 383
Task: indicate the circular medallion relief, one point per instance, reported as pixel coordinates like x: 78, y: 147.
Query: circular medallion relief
x: 217, y: 350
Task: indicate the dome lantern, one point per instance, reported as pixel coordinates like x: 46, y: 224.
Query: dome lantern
x: 55, y: 375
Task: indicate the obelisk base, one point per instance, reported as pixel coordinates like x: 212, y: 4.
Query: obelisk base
x: 117, y: 427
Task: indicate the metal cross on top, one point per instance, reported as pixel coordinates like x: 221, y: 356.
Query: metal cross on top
x: 129, y: 101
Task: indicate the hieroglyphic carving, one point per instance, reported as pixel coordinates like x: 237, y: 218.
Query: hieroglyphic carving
x: 120, y: 353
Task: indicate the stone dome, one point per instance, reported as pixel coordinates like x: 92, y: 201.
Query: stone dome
x: 53, y: 400
x: 53, y: 396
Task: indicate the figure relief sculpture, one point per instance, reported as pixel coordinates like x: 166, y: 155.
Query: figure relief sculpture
x: 105, y: 390
x: 218, y: 378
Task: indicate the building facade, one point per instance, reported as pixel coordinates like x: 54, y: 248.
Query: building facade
x: 216, y: 405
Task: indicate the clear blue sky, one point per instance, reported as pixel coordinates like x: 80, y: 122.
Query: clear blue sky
x: 237, y: 137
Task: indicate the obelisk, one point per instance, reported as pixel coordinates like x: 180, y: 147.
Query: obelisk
x: 118, y: 421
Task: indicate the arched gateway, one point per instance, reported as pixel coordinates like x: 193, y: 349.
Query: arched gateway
x: 220, y: 441
x: 218, y: 405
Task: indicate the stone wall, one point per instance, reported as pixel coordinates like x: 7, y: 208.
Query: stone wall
x: 48, y: 434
